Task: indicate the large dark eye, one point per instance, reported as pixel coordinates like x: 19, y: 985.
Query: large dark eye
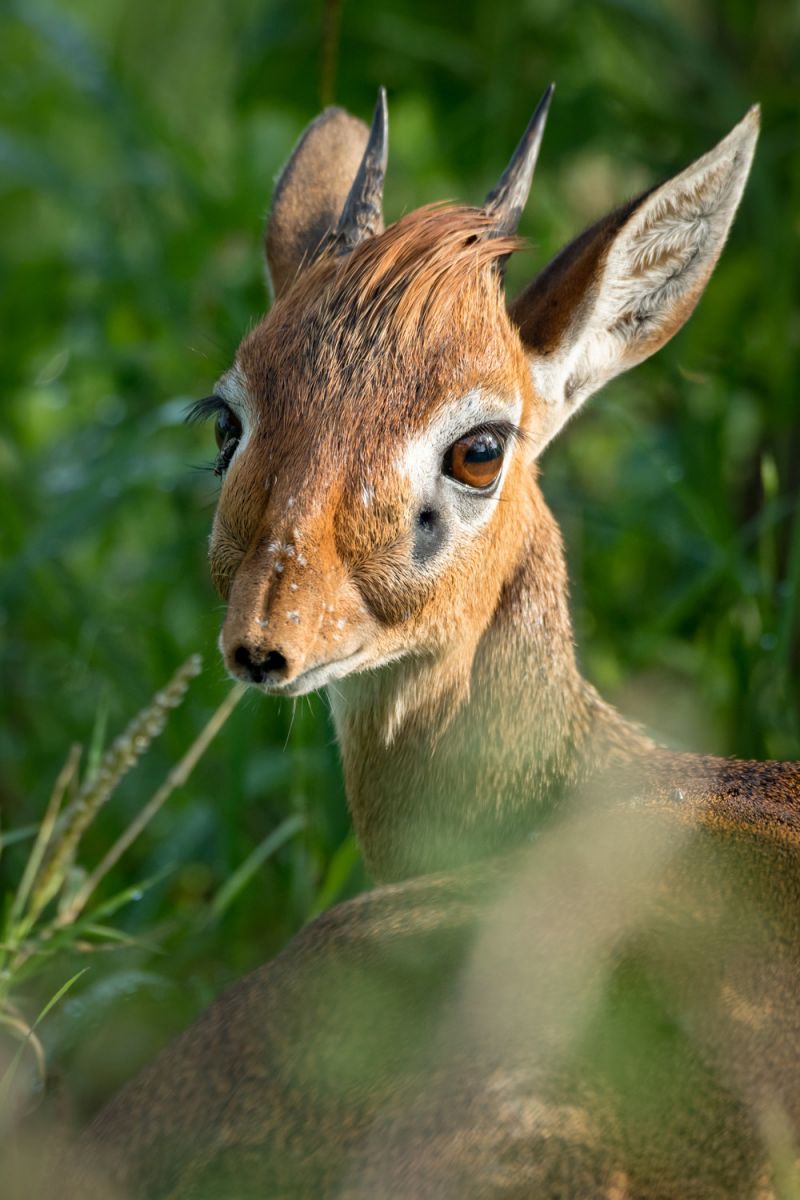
x: 227, y: 426
x: 227, y: 431
x: 475, y: 459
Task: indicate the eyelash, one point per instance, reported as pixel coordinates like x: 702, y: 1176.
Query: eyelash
x: 506, y: 432
x: 223, y: 459
x: 205, y: 409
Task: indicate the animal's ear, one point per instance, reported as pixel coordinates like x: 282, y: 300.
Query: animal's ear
x: 625, y: 286
x: 311, y: 192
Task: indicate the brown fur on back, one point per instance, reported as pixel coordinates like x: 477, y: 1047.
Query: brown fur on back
x: 552, y: 1023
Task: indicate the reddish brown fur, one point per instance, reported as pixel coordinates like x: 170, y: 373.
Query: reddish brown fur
x: 355, y: 357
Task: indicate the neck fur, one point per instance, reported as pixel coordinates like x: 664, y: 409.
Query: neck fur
x: 450, y: 759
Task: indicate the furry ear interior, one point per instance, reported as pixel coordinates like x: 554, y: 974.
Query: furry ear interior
x: 311, y: 192
x: 622, y: 289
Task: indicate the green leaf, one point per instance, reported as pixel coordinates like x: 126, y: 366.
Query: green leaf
x: 264, y: 850
x: 11, y: 1069
x: 12, y: 836
x: 339, y: 871
x: 128, y: 895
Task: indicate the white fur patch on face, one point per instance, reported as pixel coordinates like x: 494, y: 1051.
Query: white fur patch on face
x: 463, y: 509
x: 232, y: 387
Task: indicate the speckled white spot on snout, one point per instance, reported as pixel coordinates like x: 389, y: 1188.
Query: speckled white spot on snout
x: 279, y: 568
x: 293, y: 587
x: 262, y: 622
x: 293, y: 616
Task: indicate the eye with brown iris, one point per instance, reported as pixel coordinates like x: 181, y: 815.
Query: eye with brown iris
x: 475, y: 459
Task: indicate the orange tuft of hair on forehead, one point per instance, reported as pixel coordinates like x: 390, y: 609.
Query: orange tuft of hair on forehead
x: 405, y: 281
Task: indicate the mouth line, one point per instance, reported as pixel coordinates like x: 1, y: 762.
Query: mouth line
x: 314, y: 677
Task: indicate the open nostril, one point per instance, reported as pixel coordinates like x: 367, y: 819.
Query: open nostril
x: 260, y: 669
x: 242, y: 657
x: 274, y: 663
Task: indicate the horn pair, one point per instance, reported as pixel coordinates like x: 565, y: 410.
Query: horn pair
x: 362, y: 215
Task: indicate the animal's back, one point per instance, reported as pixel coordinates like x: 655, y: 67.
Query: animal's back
x: 611, y: 1012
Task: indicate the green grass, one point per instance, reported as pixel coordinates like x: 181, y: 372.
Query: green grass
x: 138, y: 144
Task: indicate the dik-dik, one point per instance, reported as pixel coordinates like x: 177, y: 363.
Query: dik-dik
x: 579, y: 977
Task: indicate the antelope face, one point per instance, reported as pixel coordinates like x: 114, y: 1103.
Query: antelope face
x: 370, y: 436
x: 377, y: 429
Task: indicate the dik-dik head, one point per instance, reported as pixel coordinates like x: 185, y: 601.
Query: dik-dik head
x: 379, y: 428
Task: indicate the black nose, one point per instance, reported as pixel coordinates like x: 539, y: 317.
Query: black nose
x: 272, y: 667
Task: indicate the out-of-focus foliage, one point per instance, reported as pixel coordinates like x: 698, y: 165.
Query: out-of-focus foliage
x: 53, y: 911
x: 138, y: 143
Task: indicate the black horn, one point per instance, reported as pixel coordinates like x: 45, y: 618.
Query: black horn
x: 506, y: 202
x: 362, y: 215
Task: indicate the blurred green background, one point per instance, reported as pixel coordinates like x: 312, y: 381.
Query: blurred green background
x: 138, y: 145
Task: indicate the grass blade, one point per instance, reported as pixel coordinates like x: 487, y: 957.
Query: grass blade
x: 176, y: 778
x: 39, y: 848
x: 122, y: 755
x: 243, y: 874
x: 11, y: 1069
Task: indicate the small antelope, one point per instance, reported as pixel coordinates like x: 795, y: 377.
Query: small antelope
x: 580, y: 976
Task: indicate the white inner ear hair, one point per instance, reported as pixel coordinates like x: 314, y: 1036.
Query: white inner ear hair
x: 667, y: 250
x: 653, y: 274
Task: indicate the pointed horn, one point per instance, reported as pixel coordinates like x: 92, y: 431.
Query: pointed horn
x: 510, y: 196
x: 362, y: 215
